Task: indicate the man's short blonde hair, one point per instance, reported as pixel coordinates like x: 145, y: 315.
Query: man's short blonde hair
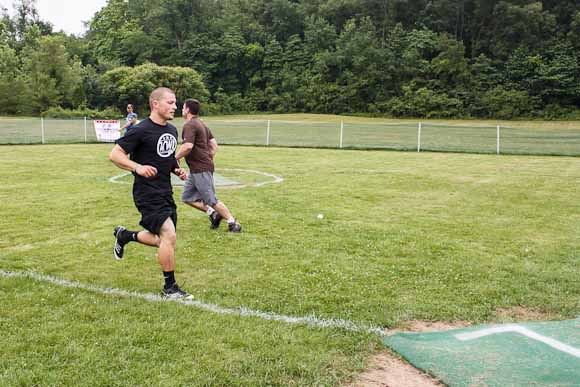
x: 159, y: 93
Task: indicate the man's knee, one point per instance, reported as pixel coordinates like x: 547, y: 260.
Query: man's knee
x: 198, y: 204
x: 168, y: 237
x: 212, y: 202
x: 167, y: 233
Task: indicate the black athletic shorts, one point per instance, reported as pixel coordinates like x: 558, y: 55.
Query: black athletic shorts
x: 155, y: 212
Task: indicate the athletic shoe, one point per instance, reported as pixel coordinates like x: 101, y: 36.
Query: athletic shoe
x: 174, y: 293
x: 119, y: 244
x: 215, y: 220
x: 234, y: 227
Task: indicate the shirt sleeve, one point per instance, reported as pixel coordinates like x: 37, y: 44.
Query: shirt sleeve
x: 130, y: 141
x: 188, y: 133
x: 209, y: 134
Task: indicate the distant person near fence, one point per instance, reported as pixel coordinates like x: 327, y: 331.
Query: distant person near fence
x: 131, y: 120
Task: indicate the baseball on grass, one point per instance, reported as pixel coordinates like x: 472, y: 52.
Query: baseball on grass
x: 320, y: 216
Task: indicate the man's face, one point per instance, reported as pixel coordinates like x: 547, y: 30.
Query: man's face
x: 184, y: 111
x: 129, y: 109
x: 166, y: 106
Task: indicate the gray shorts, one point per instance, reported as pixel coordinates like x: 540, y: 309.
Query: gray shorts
x: 199, y: 187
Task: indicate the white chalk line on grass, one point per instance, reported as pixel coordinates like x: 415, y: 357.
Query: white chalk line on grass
x: 241, y: 311
x: 514, y: 328
x: 275, y: 179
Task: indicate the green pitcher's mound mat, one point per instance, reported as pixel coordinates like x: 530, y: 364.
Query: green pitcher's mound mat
x: 531, y: 354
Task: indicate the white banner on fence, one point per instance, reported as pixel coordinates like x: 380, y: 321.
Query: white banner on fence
x: 107, y: 130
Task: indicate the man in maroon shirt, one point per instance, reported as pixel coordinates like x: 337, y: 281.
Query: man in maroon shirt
x: 199, y: 148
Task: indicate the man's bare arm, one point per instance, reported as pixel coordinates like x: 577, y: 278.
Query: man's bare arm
x: 213, y: 146
x: 121, y: 159
x: 184, y: 150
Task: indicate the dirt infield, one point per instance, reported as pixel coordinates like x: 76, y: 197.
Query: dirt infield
x: 388, y: 370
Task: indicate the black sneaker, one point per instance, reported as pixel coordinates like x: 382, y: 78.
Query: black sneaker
x: 215, y: 220
x: 174, y: 293
x: 119, y: 244
x: 234, y: 227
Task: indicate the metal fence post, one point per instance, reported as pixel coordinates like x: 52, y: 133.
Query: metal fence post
x: 419, y: 138
x: 341, y: 134
x: 42, y: 129
x: 268, y: 134
x: 85, y: 129
x: 498, y: 139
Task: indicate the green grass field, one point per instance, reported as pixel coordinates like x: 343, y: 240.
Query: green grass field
x: 405, y: 236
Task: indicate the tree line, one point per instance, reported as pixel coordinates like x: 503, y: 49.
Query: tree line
x: 402, y: 58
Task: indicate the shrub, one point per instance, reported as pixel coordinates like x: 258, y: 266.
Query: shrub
x: 424, y: 102
x: 502, y: 103
x: 557, y: 112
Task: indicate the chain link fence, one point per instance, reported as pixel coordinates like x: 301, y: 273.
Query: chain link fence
x: 411, y: 136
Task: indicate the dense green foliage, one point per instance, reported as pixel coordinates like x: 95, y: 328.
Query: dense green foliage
x: 407, y: 58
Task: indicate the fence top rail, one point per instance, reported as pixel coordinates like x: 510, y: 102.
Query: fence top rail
x: 351, y: 123
x: 537, y: 128
x: 306, y: 122
x: 457, y: 126
x: 209, y: 119
x: 384, y: 124
x: 82, y: 119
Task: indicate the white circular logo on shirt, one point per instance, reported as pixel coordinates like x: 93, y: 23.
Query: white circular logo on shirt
x: 166, y: 145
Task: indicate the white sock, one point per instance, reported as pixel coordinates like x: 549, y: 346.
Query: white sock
x: 210, y: 210
x: 231, y: 220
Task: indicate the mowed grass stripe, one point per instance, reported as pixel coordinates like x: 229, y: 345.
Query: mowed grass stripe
x: 58, y: 336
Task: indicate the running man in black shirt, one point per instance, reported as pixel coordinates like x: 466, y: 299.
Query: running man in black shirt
x: 148, y: 151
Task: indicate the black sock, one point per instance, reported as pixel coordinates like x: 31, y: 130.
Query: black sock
x: 169, y: 277
x: 129, y: 236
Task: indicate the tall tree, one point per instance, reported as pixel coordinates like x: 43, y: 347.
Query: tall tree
x: 124, y: 85
x: 52, y: 74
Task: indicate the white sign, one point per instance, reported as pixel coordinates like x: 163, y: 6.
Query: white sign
x: 107, y: 130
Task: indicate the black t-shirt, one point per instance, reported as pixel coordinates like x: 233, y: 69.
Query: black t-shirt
x: 155, y: 145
